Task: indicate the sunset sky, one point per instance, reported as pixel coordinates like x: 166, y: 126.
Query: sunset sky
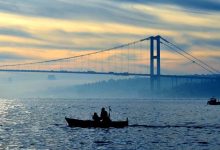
x: 35, y: 30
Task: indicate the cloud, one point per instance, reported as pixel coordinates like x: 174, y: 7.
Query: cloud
x: 7, y: 56
x: 89, y: 10
x: 207, y: 42
x: 15, y: 32
x: 204, y: 5
x: 59, y: 28
x: 50, y: 33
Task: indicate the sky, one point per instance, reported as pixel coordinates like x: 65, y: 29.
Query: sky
x: 36, y: 30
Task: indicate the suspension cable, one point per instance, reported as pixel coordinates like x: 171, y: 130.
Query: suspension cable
x: 187, y: 57
x: 92, y: 53
x: 202, y: 62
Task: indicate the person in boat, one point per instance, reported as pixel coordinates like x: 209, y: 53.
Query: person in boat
x: 104, y: 116
x: 213, y: 99
x: 95, y: 117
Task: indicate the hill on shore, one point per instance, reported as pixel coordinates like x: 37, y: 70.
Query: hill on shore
x: 140, y: 88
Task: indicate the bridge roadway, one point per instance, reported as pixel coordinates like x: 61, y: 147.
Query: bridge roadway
x: 117, y: 74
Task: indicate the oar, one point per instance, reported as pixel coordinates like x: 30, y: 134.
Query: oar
x: 109, y: 109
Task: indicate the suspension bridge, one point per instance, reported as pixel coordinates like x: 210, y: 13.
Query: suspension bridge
x: 139, y: 58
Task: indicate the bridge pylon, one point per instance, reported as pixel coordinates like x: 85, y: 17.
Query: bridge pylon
x: 155, y: 59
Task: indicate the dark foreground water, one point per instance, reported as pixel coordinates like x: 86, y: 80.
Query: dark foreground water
x: 155, y: 124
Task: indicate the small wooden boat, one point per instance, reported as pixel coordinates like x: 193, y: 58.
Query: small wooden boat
x: 213, y: 101
x: 92, y: 124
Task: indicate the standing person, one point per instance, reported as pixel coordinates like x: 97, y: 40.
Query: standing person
x: 104, y: 116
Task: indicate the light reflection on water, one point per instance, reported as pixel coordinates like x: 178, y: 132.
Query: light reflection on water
x: 40, y: 124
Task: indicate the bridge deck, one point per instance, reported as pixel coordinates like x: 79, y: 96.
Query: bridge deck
x: 116, y: 73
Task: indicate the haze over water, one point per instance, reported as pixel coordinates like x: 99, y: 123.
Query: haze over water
x: 153, y: 124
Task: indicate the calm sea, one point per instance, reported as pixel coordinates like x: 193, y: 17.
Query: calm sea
x: 154, y: 124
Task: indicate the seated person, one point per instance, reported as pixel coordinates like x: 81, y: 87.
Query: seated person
x: 95, y: 117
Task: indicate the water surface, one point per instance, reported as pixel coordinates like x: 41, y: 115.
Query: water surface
x: 154, y: 124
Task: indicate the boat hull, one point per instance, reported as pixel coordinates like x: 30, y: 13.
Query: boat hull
x: 92, y: 124
x: 213, y: 103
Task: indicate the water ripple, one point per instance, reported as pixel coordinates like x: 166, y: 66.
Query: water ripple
x: 40, y: 124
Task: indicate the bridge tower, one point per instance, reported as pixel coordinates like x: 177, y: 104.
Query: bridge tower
x: 155, y: 59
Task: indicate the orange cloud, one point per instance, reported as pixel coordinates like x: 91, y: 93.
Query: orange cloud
x: 39, y: 25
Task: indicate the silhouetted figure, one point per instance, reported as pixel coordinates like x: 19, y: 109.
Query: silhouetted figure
x: 213, y: 101
x: 95, y: 117
x: 104, y: 116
